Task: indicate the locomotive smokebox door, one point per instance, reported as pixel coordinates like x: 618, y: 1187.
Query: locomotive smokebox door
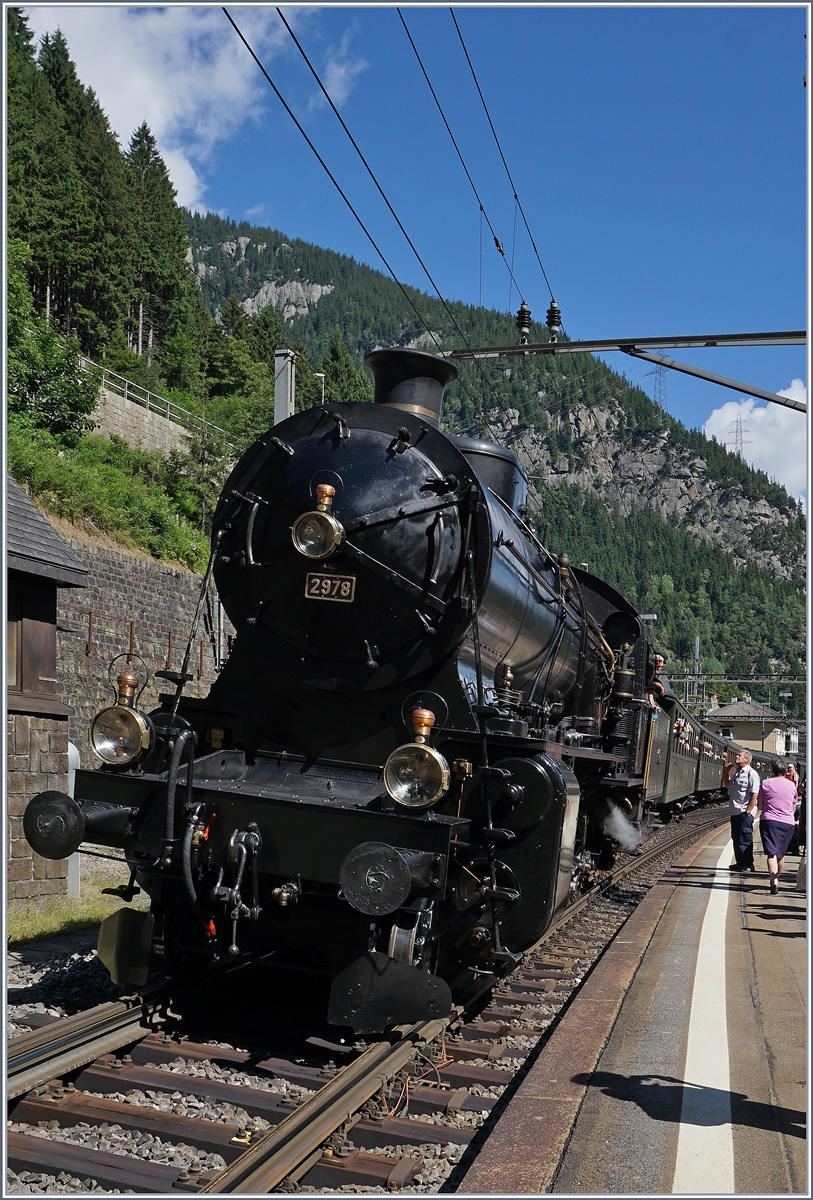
x: 375, y: 992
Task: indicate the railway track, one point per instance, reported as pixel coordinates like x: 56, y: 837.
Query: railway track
x: 178, y: 1111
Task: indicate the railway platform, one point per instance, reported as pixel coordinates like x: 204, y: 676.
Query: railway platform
x: 681, y: 1067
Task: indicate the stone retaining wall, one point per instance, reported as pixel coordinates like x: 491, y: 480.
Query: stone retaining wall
x: 131, y: 603
x: 136, y: 425
x: 37, y: 762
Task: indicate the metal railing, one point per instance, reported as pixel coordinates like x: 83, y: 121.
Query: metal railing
x: 160, y: 405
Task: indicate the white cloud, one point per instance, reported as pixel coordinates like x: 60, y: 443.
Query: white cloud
x: 339, y: 74
x: 774, y: 438
x: 181, y: 69
x: 189, y: 185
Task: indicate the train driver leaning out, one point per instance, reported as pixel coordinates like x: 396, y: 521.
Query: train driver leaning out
x: 743, y: 784
x: 654, y: 687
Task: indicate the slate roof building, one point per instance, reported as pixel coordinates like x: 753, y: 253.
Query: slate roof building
x: 33, y: 547
x: 38, y: 562
x: 757, y: 726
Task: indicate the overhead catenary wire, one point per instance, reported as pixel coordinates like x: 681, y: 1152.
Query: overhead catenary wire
x: 372, y: 175
x: 347, y: 201
x: 499, y: 147
x: 482, y: 210
x: 395, y: 216
x: 517, y: 201
x: 483, y: 214
x: 498, y: 245
x: 329, y: 173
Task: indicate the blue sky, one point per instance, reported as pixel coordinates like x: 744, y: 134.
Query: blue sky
x: 660, y: 155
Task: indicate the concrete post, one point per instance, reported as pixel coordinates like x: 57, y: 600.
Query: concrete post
x: 284, y: 384
x: 73, y: 861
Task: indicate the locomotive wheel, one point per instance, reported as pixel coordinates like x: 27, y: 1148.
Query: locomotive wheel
x: 411, y: 939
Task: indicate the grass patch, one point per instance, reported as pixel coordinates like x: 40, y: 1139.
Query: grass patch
x: 50, y: 917
x: 138, y: 498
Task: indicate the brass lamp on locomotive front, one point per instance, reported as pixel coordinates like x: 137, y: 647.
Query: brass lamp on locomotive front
x: 317, y: 534
x: 121, y: 733
x: 415, y: 775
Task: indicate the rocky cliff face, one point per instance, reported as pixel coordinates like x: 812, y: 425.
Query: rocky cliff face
x: 293, y: 297
x: 627, y: 470
x: 585, y: 438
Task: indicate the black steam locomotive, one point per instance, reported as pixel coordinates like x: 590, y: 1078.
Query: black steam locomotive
x: 410, y: 759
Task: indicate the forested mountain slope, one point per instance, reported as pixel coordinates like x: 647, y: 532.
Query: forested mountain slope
x: 678, y: 522
x: 104, y: 262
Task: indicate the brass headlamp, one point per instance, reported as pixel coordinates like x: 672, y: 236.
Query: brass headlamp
x: 317, y: 534
x: 121, y: 734
x: 415, y: 775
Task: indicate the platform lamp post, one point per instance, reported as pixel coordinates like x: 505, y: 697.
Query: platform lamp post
x: 783, y: 696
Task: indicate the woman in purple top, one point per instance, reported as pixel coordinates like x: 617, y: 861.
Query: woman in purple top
x: 777, y: 819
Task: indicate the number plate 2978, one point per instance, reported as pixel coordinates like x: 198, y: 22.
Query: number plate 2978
x: 331, y: 587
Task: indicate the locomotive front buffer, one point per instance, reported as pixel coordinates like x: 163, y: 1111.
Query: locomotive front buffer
x: 347, y: 870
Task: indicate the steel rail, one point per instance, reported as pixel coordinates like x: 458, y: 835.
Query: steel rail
x: 299, y: 1136
x: 72, y: 1042
x: 291, y: 1148
x: 295, y: 1144
x: 621, y: 872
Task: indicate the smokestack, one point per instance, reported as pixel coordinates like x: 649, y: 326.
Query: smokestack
x: 411, y: 380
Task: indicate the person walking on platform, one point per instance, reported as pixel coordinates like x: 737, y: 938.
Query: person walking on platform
x: 743, y: 787
x: 777, y: 820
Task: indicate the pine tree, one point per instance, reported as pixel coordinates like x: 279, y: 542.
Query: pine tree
x: 45, y: 379
x: 308, y: 389
x: 233, y: 318
x: 344, y: 381
x: 94, y: 299
x: 48, y: 207
x: 161, y: 275
x: 266, y: 335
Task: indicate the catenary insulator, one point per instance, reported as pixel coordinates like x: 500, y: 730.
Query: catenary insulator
x: 553, y: 317
x: 523, y: 323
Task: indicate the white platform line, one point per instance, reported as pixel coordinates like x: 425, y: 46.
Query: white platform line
x: 705, y: 1151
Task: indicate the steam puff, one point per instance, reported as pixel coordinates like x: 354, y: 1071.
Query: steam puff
x: 621, y: 830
